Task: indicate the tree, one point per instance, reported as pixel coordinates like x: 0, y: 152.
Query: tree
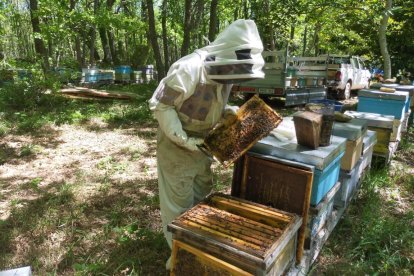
x: 382, y: 38
x: 38, y: 41
x: 153, y: 38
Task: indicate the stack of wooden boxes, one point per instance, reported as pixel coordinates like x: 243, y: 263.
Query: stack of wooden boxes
x: 385, y: 103
x: 326, y: 166
x: 354, y: 132
x: 408, y: 118
x: 282, y: 207
x: 383, y: 126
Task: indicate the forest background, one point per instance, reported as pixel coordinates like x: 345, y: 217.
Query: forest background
x: 80, y: 33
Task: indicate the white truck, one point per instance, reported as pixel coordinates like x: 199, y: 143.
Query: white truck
x: 345, y: 73
x: 296, y: 79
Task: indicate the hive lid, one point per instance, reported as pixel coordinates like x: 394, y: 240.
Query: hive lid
x: 254, y: 120
x: 290, y: 150
x: 373, y: 119
x: 351, y: 130
x: 369, y: 140
x: 398, y: 87
x: 372, y: 93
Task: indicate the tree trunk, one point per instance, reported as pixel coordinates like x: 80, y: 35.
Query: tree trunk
x: 84, y: 47
x: 38, y: 42
x: 213, y: 20
x: 292, y: 37
x: 187, y: 28
x: 153, y: 38
x: 316, y: 39
x: 382, y: 37
x: 105, y: 46
x: 93, y: 36
x: 305, y: 34
x: 78, y: 50
x: 165, y: 35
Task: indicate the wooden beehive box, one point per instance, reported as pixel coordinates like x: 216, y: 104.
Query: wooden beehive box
x: 254, y: 120
x: 224, y: 235
x: 376, y: 101
x: 275, y: 182
x: 353, y: 131
x: 383, y: 125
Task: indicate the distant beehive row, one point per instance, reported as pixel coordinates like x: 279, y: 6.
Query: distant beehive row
x: 88, y: 76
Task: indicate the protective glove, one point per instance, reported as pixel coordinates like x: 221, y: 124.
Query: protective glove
x: 192, y: 143
x: 229, y: 115
x: 230, y: 110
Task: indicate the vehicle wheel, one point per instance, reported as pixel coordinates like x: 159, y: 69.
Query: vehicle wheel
x: 345, y: 93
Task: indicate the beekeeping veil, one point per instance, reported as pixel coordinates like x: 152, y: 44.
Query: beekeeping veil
x: 235, y: 55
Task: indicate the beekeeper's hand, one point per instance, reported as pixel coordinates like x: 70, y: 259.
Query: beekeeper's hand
x: 230, y: 110
x: 192, y: 143
x: 229, y: 115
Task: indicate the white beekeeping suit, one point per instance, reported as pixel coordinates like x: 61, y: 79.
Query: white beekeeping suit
x: 188, y: 103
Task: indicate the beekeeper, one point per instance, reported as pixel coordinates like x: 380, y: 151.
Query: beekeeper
x: 188, y: 103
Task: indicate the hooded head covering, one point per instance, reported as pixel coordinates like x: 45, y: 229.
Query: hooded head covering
x: 235, y: 55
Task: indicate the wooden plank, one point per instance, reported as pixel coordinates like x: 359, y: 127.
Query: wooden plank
x: 229, y: 253
x: 225, y: 238
x: 248, y: 206
x: 252, y: 214
x: 81, y: 91
x: 215, y: 262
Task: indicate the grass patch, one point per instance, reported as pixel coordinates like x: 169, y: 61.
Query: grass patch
x: 26, y: 107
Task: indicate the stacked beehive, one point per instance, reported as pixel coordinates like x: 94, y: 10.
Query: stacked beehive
x: 354, y: 131
x: 386, y: 103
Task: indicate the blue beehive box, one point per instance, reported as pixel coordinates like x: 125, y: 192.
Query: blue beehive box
x: 375, y: 101
x: 399, y: 87
x: 326, y: 160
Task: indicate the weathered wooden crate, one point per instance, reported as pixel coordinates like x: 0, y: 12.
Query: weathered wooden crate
x: 230, y: 236
x: 376, y: 101
x: 353, y: 131
x: 275, y: 182
x: 254, y: 120
x: 308, y: 128
x: 326, y: 160
x: 319, y: 214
